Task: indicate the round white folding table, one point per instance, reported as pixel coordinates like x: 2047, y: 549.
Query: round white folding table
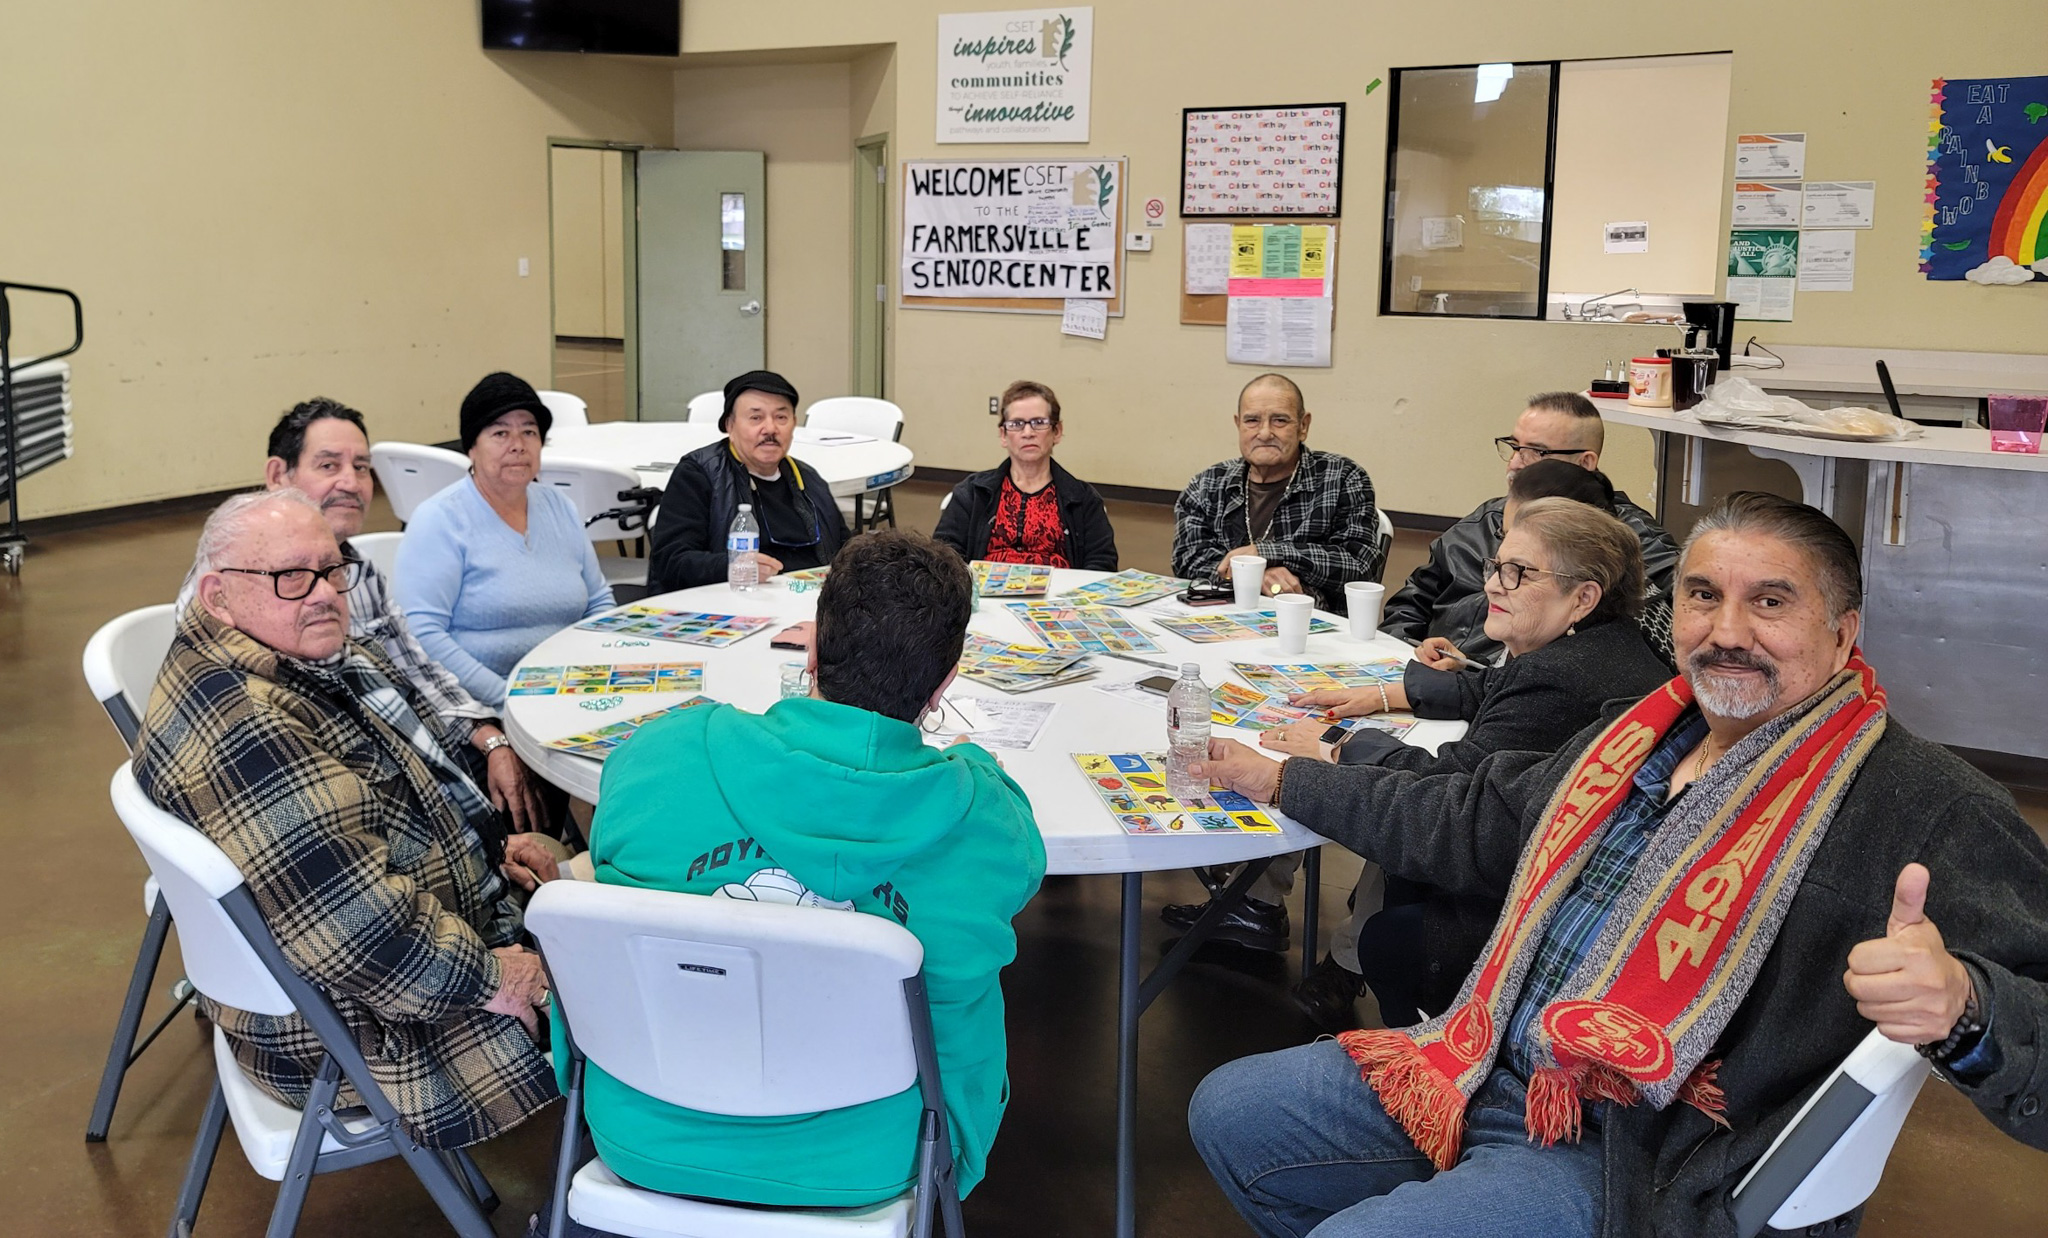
x: 1081, y: 836
x: 851, y: 464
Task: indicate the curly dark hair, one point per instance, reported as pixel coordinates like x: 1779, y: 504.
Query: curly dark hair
x: 892, y: 618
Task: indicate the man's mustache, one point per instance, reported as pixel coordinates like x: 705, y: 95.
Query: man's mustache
x: 318, y: 612
x: 1732, y: 659
x: 341, y: 500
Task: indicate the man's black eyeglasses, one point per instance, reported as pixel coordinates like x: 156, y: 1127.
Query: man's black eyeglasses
x: 1511, y: 572
x: 293, y: 584
x: 1509, y: 449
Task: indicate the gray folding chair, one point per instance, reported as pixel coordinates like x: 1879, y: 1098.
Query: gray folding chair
x: 1829, y: 1157
x: 232, y: 958
x: 121, y: 662
x: 647, y: 983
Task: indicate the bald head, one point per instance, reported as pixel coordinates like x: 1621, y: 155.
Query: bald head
x: 1272, y: 426
x: 246, y: 543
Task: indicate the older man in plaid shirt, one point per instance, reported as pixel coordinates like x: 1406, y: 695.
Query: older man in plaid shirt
x: 299, y: 753
x: 1309, y: 514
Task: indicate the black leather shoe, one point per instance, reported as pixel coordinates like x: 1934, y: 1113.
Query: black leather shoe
x: 1252, y: 924
x: 1326, y: 995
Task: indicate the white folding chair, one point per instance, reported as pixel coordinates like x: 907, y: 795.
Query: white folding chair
x: 613, y: 506
x: 706, y: 409
x: 121, y: 662
x: 861, y: 414
x: 380, y: 549
x: 1828, y: 1158
x: 232, y: 958
x: 650, y: 984
x: 412, y: 473
x: 1386, y: 544
x: 567, y: 410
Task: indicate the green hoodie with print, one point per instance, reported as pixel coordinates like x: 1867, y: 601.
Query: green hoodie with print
x: 833, y: 806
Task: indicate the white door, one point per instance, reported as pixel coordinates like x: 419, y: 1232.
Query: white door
x: 702, y: 273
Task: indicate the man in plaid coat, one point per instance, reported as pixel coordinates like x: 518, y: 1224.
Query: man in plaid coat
x: 1309, y: 514
x: 293, y: 749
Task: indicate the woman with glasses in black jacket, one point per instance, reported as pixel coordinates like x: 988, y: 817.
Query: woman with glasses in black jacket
x: 1028, y: 509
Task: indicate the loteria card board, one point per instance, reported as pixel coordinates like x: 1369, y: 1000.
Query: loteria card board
x: 1236, y: 625
x: 1132, y: 785
x: 1019, y: 668
x: 1016, y: 580
x: 601, y: 742
x: 1083, y: 629
x: 1287, y: 678
x: 1129, y: 588
x: 688, y: 626
x: 593, y: 680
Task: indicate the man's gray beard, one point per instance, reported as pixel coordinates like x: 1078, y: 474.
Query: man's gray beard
x: 1736, y: 701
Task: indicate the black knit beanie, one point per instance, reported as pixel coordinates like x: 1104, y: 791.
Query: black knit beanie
x: 498, y: 394
x: 765, y: 381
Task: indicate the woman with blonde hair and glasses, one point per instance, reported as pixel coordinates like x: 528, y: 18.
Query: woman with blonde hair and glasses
x: 1562, y: 596
x: 1028, y: 509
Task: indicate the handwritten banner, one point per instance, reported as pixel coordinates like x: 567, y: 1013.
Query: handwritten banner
x: 1017, y: 228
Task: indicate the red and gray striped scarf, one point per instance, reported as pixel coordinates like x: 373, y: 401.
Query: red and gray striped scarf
x: 1678, y: 948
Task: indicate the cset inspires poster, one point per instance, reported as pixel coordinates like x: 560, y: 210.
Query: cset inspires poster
x: 1015, y: 77
x: 1987, y: 181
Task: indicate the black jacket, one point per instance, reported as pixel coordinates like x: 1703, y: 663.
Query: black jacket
x: 969, y: 516
x: 1533, y: 703
x: 1669, y: 1172
x: 686, y: 546
x: 1445, y: 596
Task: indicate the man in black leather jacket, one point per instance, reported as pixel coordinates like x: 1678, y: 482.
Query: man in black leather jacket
x: 1445, y: 597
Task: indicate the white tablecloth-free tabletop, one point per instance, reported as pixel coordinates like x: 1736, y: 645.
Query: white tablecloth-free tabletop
x: 651, y: 449
x: 1080, y: 834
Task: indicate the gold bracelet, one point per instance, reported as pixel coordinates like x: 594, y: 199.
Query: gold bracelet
x: 1279, y: 780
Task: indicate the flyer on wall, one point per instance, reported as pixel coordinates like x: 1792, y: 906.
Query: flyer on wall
x: 1020, y: 76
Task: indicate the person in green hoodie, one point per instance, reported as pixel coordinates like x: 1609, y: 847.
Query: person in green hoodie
x: 833, y: 801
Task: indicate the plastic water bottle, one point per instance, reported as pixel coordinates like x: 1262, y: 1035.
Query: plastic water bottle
x: 742, y: 544
x: 1187, y: 733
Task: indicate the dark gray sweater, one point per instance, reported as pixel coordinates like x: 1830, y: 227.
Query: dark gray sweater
x: 1670, y: 1172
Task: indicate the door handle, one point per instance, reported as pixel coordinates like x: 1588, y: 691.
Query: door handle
x: 750, y: 309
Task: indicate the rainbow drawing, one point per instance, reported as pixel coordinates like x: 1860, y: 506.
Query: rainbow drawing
x: 1985, y: 216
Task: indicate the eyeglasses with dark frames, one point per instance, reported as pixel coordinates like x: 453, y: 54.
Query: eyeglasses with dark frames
x: 1509, y: 449
x: 1017, y: 425
x: 1511, y: 572
x: 295, y: 584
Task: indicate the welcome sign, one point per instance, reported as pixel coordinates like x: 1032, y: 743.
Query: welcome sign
x: 1011, y: 228
x: 1015, y: 77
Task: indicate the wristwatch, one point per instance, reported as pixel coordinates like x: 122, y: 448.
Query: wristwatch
x: 495, y: 742
x: 1336, y: 735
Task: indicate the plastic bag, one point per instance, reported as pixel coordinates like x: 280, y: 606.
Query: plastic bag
x: 1741, y: 403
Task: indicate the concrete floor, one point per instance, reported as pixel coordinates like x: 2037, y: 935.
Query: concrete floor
x: 75, y: 914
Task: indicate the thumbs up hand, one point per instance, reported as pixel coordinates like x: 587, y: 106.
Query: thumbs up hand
x: 1907, y: 982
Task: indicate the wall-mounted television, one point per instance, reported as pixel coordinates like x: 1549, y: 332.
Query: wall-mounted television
x: 617, y: 27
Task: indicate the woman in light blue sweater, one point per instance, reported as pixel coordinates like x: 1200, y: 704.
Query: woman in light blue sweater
x: 494, y: 564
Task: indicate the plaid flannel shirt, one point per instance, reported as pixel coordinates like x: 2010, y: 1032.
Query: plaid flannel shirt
x: 1325, y: 530
x: 1585, y: 904
x: 373, y: 615
x: 376, y: 888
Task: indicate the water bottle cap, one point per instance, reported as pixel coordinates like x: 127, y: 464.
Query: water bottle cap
x: 746, y: 507
x: 1190, y: 670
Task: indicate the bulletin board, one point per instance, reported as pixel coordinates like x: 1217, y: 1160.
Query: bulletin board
x: 1025, y: 305
x: 1212, y: 309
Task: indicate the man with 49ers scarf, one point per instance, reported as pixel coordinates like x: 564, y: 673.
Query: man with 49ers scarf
x: 1710, y: 898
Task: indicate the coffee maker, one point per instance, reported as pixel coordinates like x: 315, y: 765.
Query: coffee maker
x: 1716, y: 319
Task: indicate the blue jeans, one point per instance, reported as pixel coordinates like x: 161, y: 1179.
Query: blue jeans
x: 1300, y: 1145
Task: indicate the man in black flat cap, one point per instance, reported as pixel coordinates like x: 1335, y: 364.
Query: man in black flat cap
x: 800, y: 522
